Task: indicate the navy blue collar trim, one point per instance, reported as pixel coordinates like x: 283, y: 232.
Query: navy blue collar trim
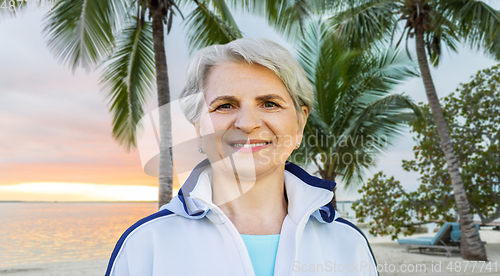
x: 341, y: 220
x: 327, y: 215
x: 327, y: 211
x: 190, y: 183
x: 193, y: 177
x: 309, y: 179
x: 122, y: 239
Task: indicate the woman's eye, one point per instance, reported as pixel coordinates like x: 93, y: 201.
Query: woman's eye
x: 270, y: 104
x: 224, y: 106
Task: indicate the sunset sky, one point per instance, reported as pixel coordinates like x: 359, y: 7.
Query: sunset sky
x: 55, y: 128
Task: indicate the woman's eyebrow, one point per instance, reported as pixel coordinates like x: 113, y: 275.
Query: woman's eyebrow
x: 259, y: 98
x: 270, y: 97
x: 224, y: 98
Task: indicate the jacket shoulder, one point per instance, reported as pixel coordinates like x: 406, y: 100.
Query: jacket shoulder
x: 133, y: 229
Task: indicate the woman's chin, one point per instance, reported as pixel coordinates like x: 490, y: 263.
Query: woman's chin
x: 245, y: 166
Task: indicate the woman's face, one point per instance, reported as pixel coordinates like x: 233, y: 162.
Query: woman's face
x: 249, y: 117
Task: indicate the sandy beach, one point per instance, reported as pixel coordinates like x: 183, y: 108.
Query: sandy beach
x: 74, y: 268
x: 392, y: 259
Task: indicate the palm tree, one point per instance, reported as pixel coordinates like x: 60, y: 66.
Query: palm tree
x: 82, y: 33
x: 433, y: 24
x: 128, y: 36
x: 355, y: 116
x: 85, y: 33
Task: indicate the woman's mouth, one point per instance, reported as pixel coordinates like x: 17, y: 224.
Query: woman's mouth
x: 249, y: 147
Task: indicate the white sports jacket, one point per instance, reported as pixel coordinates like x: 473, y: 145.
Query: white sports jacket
x: 192, y: 236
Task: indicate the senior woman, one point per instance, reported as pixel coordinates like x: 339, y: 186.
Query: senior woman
x: 245, y: 210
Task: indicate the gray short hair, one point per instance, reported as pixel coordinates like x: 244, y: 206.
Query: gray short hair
x: 252, y: 51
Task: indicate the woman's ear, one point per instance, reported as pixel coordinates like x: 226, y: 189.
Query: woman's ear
x: 303, y: 120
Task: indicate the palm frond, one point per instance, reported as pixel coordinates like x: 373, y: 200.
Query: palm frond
x: 128, y: 79
x: 373, y: 131
x: 479, y: 23
x: 318, y: 128
x: 205, y: 28
x: 346, y: 80
x: 352, y: 88
x: 383, y: 68
x: 494, y: 48
x: 390, y: 106
x: 320, y: 7
x: 224, y: 12
x: 309, y: 49
x: 359, y: 26
x: 287, y: 17
x: 80, y: 32
x: 337, y: 69
x: 443, y: 32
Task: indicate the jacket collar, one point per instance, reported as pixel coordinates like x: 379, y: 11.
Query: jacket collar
x: 306, y: 194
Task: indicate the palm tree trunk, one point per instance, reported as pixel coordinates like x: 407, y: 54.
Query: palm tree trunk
x: 165, y: 132
x: 334, y: 198
x: 471, y: 246
x: 324, y: 172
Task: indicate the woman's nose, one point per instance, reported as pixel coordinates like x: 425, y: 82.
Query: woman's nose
x: 247, y: 120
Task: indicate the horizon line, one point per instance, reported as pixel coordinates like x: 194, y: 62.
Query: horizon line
x: 87, y: 201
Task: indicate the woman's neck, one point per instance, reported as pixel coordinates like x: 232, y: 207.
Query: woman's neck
x: 255, y: 207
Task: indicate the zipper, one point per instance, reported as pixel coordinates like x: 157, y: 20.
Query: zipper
x: 235, y: 235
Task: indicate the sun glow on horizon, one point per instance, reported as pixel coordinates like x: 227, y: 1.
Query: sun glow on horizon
x: 67, y: 191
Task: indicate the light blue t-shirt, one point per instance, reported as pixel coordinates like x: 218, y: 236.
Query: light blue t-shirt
x: 262, y: 250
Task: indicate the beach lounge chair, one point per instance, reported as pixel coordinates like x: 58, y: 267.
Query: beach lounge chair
x: 446, y: 240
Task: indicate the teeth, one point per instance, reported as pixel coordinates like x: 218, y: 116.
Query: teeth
x: 250, y: 145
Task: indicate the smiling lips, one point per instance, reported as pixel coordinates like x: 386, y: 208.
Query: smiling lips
x: 249, y: 146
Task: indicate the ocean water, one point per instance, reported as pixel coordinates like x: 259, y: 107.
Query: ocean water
x: 49, y: 232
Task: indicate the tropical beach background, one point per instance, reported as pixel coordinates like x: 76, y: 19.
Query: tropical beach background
x: 68, y: 189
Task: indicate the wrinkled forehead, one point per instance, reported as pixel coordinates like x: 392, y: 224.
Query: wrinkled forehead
x: 229, y: 77
x: 243, y: 81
